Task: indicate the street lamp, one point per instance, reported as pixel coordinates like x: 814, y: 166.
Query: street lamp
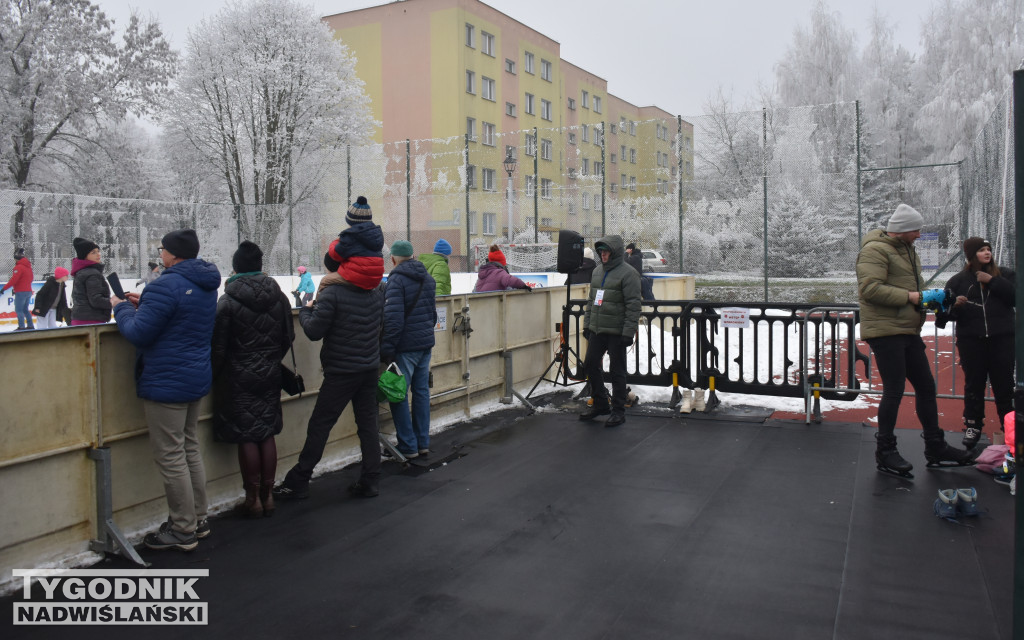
x: 510, y: 167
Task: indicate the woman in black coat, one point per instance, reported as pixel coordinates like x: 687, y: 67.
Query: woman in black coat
x: 252, y: 333
x: 984, y: 312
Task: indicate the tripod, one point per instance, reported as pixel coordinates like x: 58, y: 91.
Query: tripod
x: 561, y: 358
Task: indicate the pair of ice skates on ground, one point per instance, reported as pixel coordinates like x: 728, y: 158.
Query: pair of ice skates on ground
x: 936, y: 451
x: 952, y: 503
x: 693, y: 400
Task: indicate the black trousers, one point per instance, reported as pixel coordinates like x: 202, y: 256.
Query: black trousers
x: 615, y: 346
x: 335, y: 394
x: 901, y: 358
x: 991, y: 360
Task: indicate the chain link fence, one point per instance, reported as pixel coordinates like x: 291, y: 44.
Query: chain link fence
x: 762, y: 206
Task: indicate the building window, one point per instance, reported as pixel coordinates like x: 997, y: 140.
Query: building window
x: 528, y: 104
x: 622, y: 152
x: 613, y: 158
x: 546, y: 222
x: 585, y: 99
x: 545, y: 70
x: 545, y: 149
x: 470, y: 82
x: 471, y: 216
x: 622, y: 124
x: 598, y: 134
x: 531, y: 145
x: 487, y: 43
x: 471, y: 129
x: 531, y: 184
x: 632, y: 127
x: 489, y: 130
x: 572, y: 104
x: 545, y: 109
x: 572, y: 173
x: 471, y: 176
x: 572, y: 138
x: 586, y: 201
x: 545, y: 188
x: 622, y: 179
x: 586, y: 133
x: 490, y: 220
x: 585, y: 167
x: 597, y: 104
x: 632, y: 156
x: 510, y: 109
x: 614, y: 187
x: 487, y: 88
x: 510, y: 66
x: 572, y: 208
x: 632, y: 183
x: 488, y: 179
x: 528, y: 62
x: 470, y: 35
x: 597, y: 168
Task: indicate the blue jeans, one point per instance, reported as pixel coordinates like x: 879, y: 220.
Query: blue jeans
x: 21, y: 299
x: 413, y: 429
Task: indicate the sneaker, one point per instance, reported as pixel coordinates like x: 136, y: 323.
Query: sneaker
x: 288, y: 492
x: 167, y: 538
x: 424, y: 452
x: 409, y: 455
x: 202, y: 528
x: 971, y: 437
x: 967, y: 502
x: 945, y: 505
x: 362, y: 489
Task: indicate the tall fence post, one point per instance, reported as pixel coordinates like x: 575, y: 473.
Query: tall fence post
x: 679, y: 172
x: 1018, y: 395
x: 408, y: 193
x: 604, y: 171
x: 536, y: 185
x: 860, y: 221
x: 348, y: 174
x: 465, y: 155
x: 764, y: 191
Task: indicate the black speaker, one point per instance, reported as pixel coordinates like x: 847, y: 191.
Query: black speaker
x: 570, y: 251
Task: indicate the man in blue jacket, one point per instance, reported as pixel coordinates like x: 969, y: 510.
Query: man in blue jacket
x: 409, y: 319
x: 171, y: 326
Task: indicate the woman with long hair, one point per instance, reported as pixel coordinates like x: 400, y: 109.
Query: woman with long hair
x: 984, y: 314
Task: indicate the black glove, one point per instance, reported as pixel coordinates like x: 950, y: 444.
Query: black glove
x: 587, y: 333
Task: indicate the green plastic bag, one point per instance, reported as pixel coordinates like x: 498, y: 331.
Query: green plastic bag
x: 391, y: 385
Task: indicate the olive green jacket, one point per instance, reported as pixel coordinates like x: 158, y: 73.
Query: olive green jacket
x: 888, y: 268
x: 437, y: 267
x: 620, y: 306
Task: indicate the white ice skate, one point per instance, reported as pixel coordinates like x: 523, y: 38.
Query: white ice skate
x: 686, y: 406
x: 698, y: 400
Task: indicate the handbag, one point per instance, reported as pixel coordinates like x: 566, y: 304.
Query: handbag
x: 291, y: 381
x: 391, y: 385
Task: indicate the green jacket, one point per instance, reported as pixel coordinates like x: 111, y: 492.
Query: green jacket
x: 620, y: 306
x: 887, y: 268
x: 437, y: 267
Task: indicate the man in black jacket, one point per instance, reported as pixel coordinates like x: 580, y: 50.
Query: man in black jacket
x: 348, y: 319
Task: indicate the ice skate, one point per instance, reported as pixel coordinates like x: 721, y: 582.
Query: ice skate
x: 941, y: 455
x: 946, y: 504
x: 889, y: 459
x: 698, y: 400
x: 967, y: 502
x: 686, y: 406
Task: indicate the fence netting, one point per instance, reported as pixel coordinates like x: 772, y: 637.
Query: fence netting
x: 761, y: 205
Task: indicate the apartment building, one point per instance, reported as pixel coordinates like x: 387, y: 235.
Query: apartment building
x: 480, y: 85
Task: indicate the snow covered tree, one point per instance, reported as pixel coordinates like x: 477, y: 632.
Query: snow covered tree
x: 265, y: 96
x: 793, y: 220
x: 62, y: 70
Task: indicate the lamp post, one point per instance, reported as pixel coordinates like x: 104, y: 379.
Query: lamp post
x: 510, y: 167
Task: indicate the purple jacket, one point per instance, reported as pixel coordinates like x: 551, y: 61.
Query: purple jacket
x: 494, y: 277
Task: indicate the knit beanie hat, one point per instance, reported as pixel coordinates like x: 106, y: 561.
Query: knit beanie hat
x: 443, y: 247
x: 905, y: 218
x: 60, y: 272
x: 973, y: 245
x: 402, y: 249
x: 331, y: 259
x: 359, y: 212
x: 182, y: 244
x: 588, y: 253
x: 152, y: 265
x: 248, y: 258
x: 19, y: 253
x: 83, y: 247
x: 496, y: 255
x: 301, y: 269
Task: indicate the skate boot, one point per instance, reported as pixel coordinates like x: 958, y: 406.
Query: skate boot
x: 967, y: 502
x: 946, y: 504
x: 889, y: 459
x: 939, y: 454
x: 698, y: 400
x: 687, y: 404
x: 972, y: 433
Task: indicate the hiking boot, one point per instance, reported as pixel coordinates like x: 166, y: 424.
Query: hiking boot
x: 946, y: 504
x: 167, y: 538
x: 285, y: 491
x: 967, y: 502
x: 615, y: 420
x: 363, y: 489
x: 599, y: 408
x: 202, y: 527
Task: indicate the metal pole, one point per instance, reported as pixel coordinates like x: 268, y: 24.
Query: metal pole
x: 536, y: 186
x: 465, y: 155
x: 764, y: 190
x: 860, y: 221
x: 408, y: 194
x: 348, y: 173
x: 679, y: 161
x: 1018, y: 395
x: 604, y: 173
x: 508, y: 198
x: 291, y: 222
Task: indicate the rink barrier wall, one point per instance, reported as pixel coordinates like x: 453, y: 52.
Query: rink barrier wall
x: 70, y: 390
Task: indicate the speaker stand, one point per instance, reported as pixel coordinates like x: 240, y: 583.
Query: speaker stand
x: 561, y: 358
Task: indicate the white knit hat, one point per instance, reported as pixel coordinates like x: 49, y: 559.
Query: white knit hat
x: 905, y: 218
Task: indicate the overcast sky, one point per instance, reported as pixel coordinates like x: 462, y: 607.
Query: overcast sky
x: 669, y: 53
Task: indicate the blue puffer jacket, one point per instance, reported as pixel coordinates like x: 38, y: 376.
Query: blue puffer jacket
x: 172, y: 329
x: 413, y: 331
